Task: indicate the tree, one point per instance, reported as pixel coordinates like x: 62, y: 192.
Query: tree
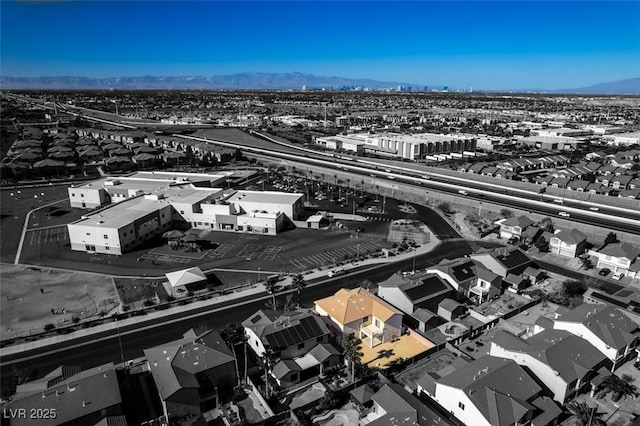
x: 584, y: 415
x: 542, y: 244
x: 351, y: 346
x: 574, y: 288
x: 271, y: 286
x: 618, y: 386
x: 611, y: 238
x: 237, y: 155
x: 12, y: 378
x: 444, y: 207
x: 299, y: 284
x: 586, y: 263
x: 506, y: 213
x: 546, y: 225
x: 267, y: 361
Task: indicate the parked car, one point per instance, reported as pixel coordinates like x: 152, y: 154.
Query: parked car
x: 618, y: 276
x: 604, y: 272
x: 336, y: 273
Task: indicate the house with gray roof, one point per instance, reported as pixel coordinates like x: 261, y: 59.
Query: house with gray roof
x: 490, y: 391
x: 563, y: 362
x: 514, y: 226
x: 298, y: 342
x: 568, y: 243
x: 503, y: 261
x: 190, y: 372
x: 415, y: 291
x: 68, y: 396
x: 470, y: 278
x: 607, y: 328
x: 619, y: 257
x: 394, y: 406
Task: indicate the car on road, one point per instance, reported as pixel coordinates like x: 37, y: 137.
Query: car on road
x: 555, y: 200
x: 595, y: 209
x: 604, y: 272
x: 336, y: 273
x: 564, y: 214
x: 463, y: 192
x: 618, y: 276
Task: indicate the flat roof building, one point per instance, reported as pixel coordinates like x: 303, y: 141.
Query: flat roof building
x: 121, y: 227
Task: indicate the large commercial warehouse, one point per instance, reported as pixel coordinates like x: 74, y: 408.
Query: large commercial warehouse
x: 120, y: 227
x: 413, y: 147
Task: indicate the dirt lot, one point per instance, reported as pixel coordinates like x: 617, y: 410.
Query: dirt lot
x: 30, y: 294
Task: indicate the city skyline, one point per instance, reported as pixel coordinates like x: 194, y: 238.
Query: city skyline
x: 487, y: 45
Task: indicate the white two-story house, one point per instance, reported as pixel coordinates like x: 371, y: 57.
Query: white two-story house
x: 607, y: 328
x: 545, y: 355
x: 568, y: 243
x: 619, y: 257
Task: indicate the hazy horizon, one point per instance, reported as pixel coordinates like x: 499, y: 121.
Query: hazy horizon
x: 487, y: 45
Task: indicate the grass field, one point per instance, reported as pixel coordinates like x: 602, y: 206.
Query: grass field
x: 30, y: 294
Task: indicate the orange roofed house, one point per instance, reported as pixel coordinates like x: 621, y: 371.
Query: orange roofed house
x: 359, y: 312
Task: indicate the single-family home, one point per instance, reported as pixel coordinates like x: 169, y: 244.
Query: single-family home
x: 607, y: 328
x: 504, y: 261
x: 190, y: 373
x: 394, y: 405
x: 68, y: 396
x: 513, y: 226
x: 619, y: 257
x: 490, y: 391
x: 568, y: 243
x: 297, y: 342
x: 469, y: 278
x: 563, y: 362
x: 415, y: 291
x: 357, y: 311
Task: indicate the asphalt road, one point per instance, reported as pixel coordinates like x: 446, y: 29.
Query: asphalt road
x: 87, y: 353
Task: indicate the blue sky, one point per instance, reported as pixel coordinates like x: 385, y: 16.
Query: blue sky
x: 490, y: 45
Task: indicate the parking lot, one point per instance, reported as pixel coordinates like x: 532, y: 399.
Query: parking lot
x: 46, y: 235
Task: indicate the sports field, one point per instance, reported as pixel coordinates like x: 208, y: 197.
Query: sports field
x: 33, y: 297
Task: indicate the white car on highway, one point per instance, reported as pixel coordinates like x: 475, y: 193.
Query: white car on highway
x: 336, y: 273
x: 564, y: 214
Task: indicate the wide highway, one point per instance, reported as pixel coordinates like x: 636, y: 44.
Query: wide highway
x: 607, y: 216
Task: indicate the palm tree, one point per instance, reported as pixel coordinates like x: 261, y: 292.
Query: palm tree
x: 618, y: 386
x: 351, y: 346
x: 299, y: 284
x: 585, y: 415
x: 268, y: 361
x: 272, y: 287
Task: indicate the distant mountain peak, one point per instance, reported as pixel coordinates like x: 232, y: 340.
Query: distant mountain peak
x: 245, y: 80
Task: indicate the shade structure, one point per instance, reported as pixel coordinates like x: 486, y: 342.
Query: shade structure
x: 189, y: 238
x: 173, y: 234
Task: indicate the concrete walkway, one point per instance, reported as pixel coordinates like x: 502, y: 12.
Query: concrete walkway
x: 221, y: 301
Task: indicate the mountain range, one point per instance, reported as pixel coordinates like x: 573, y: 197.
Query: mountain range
x: 255, y: 80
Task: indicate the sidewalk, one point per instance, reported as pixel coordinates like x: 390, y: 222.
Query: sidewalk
x: 214, y: 302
